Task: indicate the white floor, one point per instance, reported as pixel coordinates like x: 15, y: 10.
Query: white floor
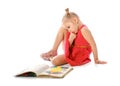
x: 28, y: 28
x: 89, y: 74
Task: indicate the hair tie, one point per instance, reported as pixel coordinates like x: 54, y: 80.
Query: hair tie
x: 67, y: 12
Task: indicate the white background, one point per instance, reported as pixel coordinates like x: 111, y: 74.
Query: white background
x: 29, y: 27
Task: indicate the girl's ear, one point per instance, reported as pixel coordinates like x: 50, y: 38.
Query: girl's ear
x: 75, y: 20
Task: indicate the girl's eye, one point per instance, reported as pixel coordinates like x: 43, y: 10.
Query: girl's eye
x: 68, y: 27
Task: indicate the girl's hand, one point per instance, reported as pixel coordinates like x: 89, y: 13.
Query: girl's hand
x: 72, y: 37
x: 100, y: 62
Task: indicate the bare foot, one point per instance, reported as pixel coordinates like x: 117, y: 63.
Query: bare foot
x: 48, y: 55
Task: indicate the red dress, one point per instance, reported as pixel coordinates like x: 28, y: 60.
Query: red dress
x: 79, y: 52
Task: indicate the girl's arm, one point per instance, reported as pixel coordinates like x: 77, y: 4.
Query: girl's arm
x: 88, y: 36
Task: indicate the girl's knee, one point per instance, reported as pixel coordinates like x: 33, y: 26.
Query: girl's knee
x: 55, y: 62
x: 59, y: 60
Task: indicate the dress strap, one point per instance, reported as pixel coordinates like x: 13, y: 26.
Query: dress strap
x: 82, y: 26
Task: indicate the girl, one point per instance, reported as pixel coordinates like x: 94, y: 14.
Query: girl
x: 78, y: 43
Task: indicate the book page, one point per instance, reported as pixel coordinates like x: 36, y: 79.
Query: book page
x: 56, y: 71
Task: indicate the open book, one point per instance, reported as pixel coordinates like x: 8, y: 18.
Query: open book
x: 44, y: 70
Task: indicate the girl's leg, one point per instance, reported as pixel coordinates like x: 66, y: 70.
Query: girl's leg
x: 59, y: 38
x: 58, y: 60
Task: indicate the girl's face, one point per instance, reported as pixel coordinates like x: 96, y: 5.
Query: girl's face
x: 70, y: 26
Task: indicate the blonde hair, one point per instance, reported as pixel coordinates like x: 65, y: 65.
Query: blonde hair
x: 69, y: 15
